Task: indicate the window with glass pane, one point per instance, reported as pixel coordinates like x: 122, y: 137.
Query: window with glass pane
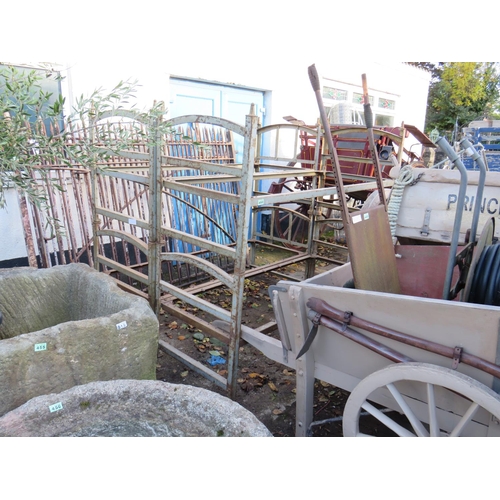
x: 335, y: 94
x: 386, y: 103
x: 357, y: 98
x: 384, y: 121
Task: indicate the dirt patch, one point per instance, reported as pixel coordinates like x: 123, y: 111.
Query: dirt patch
x: 264, y: 387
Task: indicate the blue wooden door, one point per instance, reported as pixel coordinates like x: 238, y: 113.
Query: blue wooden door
x: 190, y: 98
x: 232, y: 103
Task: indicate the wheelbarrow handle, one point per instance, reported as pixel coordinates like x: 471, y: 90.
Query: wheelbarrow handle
x: 314, y: 77
x: 365, y: 85
x: 366, y: 103
x: 336, y: 171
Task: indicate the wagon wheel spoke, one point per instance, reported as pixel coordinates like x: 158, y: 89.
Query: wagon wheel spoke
x: 387, y: 421
x: 433, y: 420
x: 467, y: 417
x: 298, y: 232
x: 291, y: 226
x: 412, y: 418
x: 285, y: 220
x: 436, y: 401
x: 288, y: 229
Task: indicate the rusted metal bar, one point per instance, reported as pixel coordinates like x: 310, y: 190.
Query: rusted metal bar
x: 80, y: 181
x: 245, y: 209
x: 193, y: 364
x: 39, y: 230
x: 113, y: 186
x: 59, y: 250
x: 68, y: 217
x: 326, y: 310
x: 28, y: 235
x: 194, y: 320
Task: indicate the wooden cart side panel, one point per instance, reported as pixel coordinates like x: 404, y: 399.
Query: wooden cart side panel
x: 344, y: 363
x: 473, y: 327
x: 428, y: 208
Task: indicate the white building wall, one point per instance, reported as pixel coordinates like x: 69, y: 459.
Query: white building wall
x: 12, y: 245
x: 291, y: 92
x: 285, y: 82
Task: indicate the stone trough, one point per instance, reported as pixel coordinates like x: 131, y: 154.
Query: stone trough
x: 126, y: 408
x: 67, y: 326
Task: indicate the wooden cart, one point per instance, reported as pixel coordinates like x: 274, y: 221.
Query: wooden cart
x: 411, y: 331
x: 433, y: 360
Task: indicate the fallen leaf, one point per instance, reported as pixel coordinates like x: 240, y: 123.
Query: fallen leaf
x: 324, y: 384
x: 214, y: 353
x: 277, y: 411
x: 184, y: 374
x: 247, y: 386
x: 173, y: 325
x: 254, y: 375
x: 181, y: 337
x: 272, y: 387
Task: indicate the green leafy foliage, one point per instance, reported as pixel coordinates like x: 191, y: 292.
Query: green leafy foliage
x: 34, y: 134
x: 461, y: 92
x: 23, y: 105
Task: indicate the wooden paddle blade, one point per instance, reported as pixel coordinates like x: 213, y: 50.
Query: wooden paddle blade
x: 371, y: 251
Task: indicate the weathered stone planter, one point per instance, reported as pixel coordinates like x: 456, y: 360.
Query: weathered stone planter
x: 66, y: 326
x: 132, y: 408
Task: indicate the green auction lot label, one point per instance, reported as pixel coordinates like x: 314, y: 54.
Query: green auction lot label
x: 55, y: 407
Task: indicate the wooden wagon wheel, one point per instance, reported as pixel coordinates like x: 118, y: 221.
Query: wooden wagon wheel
x: 449, y: 403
